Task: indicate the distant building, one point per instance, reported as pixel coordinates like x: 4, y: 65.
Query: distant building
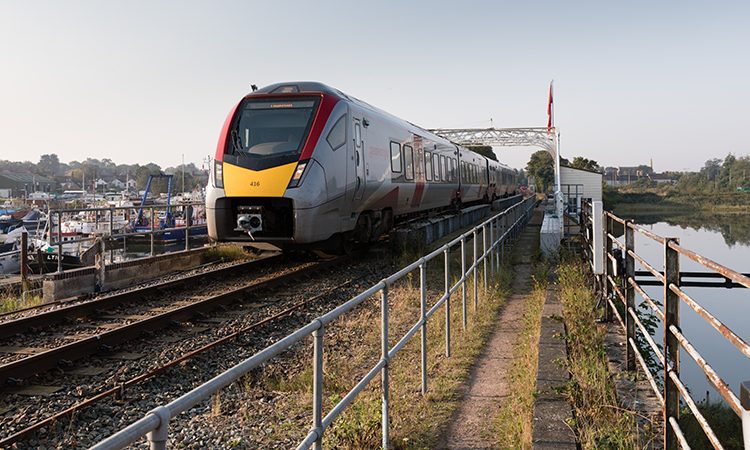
x: 23, y: 184
x: 578, y: 185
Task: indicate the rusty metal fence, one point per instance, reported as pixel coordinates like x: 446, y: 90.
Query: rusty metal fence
x: 620, y: 285
x: 495, y: 235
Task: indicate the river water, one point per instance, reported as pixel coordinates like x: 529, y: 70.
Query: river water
x: 726, y: 240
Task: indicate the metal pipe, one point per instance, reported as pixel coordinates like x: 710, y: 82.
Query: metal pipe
x: 152, y: 231
x: 745, y: 400
x: 318, y: 386
x: 474, y: 268
x: 484, y: 255
x: 384, y: 371
x: 423, y: 333
x: 463, y: 282
x: 671, y: 345
x: 629, y: 294
x: 447, y: 303
x: 59, y: 243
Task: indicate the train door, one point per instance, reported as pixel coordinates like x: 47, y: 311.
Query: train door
x: 358, y: 156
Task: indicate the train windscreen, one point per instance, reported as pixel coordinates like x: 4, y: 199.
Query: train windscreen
x: 269, y: 133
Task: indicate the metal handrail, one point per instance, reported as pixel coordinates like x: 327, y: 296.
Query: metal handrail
x: 155, y: 424
x: 674, y: 339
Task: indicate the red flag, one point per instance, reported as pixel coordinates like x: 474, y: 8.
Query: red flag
x: 550, y: 110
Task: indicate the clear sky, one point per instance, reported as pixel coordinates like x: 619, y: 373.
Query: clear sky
x: 148, y: 81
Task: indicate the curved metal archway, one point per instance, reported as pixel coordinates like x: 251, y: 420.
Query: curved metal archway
x: 546, y: 138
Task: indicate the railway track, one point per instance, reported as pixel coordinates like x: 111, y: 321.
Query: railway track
x: 31, y: 365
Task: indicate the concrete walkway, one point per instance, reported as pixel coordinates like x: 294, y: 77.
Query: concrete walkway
x: 472, y: 426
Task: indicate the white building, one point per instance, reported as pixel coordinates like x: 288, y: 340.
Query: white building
x: 578, y: 184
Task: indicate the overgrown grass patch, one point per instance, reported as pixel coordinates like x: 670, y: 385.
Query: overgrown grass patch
x: 12, y: 300
x: 352, y: 348
x: 600, y: 422
x: 226, y: 253
x: 514, y: 421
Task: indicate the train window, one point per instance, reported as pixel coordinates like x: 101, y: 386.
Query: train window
x: 428, y: 165
x: 337, y: 136
x: 395, y: 157
x: 408, y: 162
x: 453, y: 169
x: 443, y: 172
x: 357, y: 135
x: 447, y: 170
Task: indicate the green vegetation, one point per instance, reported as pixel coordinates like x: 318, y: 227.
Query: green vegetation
x: 719, y: 186
x: 484, y: 150
x: 541, y: 166
x: 225, y: 253
x: 91, y: 169
x: 11, y: 300
x: 724, y: 422
x: 516, y: 416
x: 600, y: 422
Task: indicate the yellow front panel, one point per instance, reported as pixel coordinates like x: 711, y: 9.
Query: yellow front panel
x: 241, y: 182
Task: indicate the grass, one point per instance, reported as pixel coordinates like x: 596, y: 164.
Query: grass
x: 514, y: 422
x: 11, y: 300
x: 600, y: 422
x: 226, y: 252
x: 352, y: 347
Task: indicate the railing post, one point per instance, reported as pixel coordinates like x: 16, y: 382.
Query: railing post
x: 157, y: 438
x: 484, y: 256
x: 491, y: 249
x: 474, y: 265
x: 423, y: 331
x: 152, y: 230
x: 187, y: 213
x: 464, y: 275
x: 608, y: 268
x: 318, y: 385
x: 629, y: 293
x: 745, y: 402
x: 25, y: 260
x: 59, y: 243
x: 384, y: 356
x: 671, y: 345
x: 497, y: 246
x: 446, y: 253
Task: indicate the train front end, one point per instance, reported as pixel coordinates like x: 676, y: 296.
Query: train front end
x: 263, y: 159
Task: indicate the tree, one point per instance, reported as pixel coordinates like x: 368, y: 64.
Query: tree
x: 579, y: 162
x: 484, y: 150
x: 711, y: 169
x: 49, y: 164
x: 541, y: 166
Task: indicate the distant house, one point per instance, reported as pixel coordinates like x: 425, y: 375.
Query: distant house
x: 116, y: 184
x: 662, y: 178
x: 24, y: 183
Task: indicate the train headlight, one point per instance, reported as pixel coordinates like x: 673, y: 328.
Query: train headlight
x: 218, y: 174
x: 298, y: 174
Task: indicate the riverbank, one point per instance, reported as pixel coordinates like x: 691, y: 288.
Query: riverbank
x: 659, y: 202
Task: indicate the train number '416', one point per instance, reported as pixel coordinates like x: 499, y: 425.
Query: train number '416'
x: 255, y: 184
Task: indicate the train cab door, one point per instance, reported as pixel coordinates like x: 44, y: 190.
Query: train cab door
x: 358, y: 158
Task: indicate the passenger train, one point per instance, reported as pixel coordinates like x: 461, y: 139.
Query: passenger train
x: 302, y: 163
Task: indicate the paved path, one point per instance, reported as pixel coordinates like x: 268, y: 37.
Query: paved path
x: 483, y: 395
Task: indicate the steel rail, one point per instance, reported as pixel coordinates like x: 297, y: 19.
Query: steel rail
x: 647, y: 336
x: 616, y: 241
x: 716, y: 380
x: 659, y: 276
x: 156, y: 422
x: 37, y: 363
x: 654, y: 307
x: 617, y: 313
x: 617, y: 290
x: 696, y: 412
x: 725, y: 331
x: 647, y: 233
x: 646, y: 370
x: 678, y: 432
x: 152, y: 373
x: 615, y: 218
x: 54, y: 317
x: 710, y: 264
